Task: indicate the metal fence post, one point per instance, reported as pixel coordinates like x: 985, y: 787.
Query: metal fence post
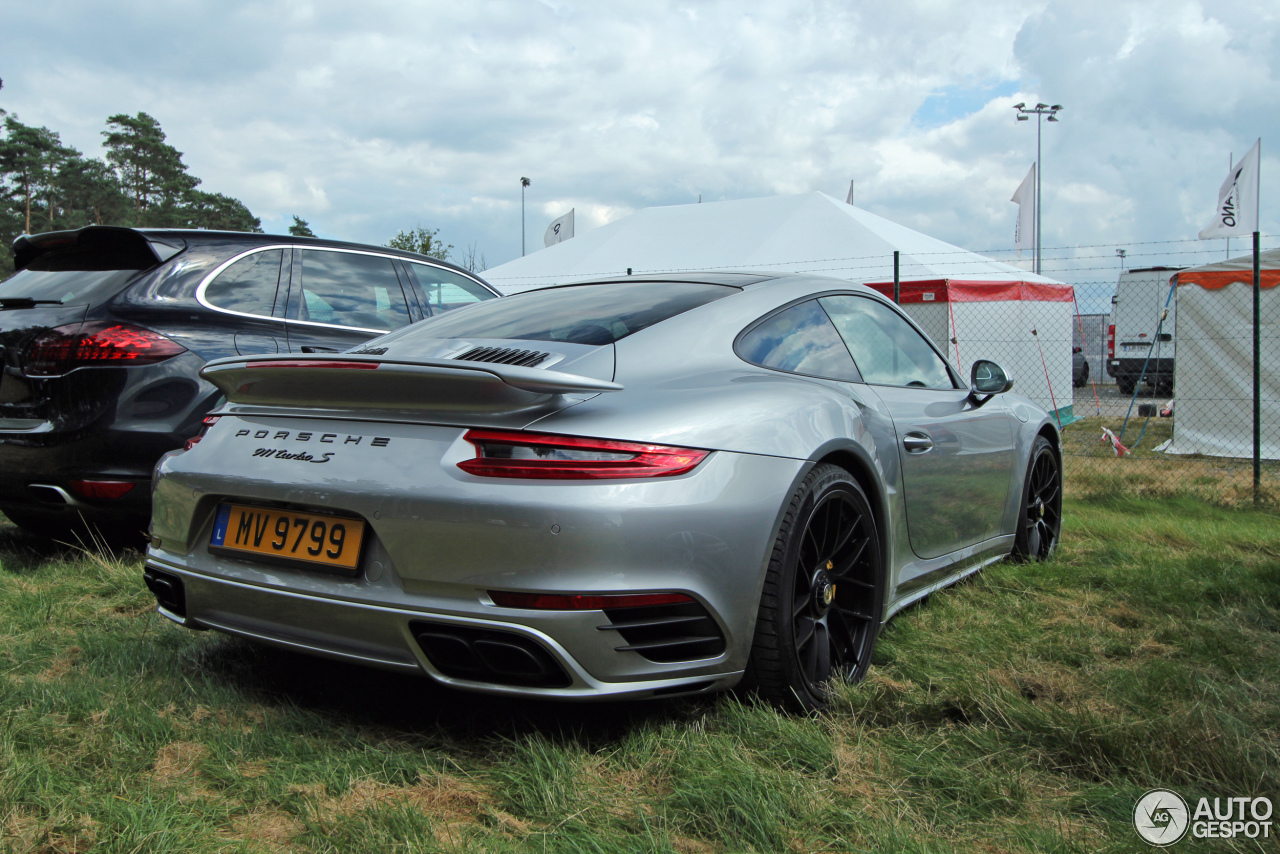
x: 1257, y: 376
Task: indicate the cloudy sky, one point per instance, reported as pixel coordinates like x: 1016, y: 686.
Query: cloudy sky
x: 367, y: 118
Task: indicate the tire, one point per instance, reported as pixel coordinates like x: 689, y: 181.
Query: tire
x: 823, y: 595
x: 1126, y: 385
x: 1084, y: 377
x: 1040, y: 519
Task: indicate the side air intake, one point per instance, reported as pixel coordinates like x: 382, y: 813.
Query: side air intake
x: 667, y: 633
x: 504, y: 356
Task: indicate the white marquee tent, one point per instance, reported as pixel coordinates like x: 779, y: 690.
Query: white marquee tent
x: 992, y: 307
x: 1213, y: 372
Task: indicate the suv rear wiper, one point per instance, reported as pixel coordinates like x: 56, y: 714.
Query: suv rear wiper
x: 25, y: 302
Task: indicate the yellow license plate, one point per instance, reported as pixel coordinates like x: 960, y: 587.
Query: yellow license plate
x: 328, y: 541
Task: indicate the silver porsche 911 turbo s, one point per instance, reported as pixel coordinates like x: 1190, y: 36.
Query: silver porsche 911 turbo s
x: 635, y: 487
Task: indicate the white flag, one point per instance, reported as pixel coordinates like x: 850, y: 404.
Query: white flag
x: 849, y: 200
x: 1237, y: 212
x: 559, y: 230
x: 1024, y: 232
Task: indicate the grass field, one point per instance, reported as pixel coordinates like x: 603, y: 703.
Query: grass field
x: 1093, y: 468
x: 1024, y: 710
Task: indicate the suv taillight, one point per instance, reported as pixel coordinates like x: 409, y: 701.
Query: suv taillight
x: 1111, y: 341
x: 98, y: 344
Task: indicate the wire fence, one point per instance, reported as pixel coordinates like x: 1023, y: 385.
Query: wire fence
x: 1153, y: 385
x: 1155, y: 397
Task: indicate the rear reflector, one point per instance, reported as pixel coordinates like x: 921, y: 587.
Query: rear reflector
x: 101, y: 488
x: 319, y: 363
x: 562, y: 602
x: 502, y: 453
x: 99, y: 344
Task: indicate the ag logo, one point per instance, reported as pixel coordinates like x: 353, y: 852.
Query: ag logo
x: 1161, y: 817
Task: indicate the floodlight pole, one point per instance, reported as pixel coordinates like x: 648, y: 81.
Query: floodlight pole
x: 1023, y: 115
x: 524, y: 182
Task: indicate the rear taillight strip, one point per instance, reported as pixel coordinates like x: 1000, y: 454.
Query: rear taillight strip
x: 205, y: 424
x: 515, y: 454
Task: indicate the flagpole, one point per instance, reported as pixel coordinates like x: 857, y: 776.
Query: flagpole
x: 1257, y: 338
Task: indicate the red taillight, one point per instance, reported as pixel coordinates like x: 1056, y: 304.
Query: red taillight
x: 1111, y: 341
x: 209, y: 421
x: 99, y: 344
x: 101, y: 488
x: 502, y: 453
x: 563, y: 602
x: 319, y: 363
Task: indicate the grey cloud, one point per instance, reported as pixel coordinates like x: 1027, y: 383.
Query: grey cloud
x: 372, y: 118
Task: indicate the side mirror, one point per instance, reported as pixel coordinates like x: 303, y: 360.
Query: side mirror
x: 988, y: 378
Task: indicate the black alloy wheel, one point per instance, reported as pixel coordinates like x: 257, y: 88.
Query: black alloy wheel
x: 822, y: 601
x: 1040, y: 521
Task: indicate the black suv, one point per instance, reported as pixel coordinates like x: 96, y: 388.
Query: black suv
x: 103, y: 332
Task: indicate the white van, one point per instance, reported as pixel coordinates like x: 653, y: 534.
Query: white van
x: 1132, y: 338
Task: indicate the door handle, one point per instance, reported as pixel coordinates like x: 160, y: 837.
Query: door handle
x: 917, y: 443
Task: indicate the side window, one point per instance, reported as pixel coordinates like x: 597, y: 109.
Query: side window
x: 248, y: 285
x: 446, y: 290
x: 887, y: 350
x: 800, y: 340
x: 346, y: 289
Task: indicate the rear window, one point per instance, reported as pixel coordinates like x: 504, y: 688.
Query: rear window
x: 80, y: 274
x: 71, y: 287
x: 577, y: 314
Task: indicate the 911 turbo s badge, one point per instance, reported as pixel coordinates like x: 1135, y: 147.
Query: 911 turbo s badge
x: 283, y: 454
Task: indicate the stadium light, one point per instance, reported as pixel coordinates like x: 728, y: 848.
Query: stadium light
x: 1040, y: 110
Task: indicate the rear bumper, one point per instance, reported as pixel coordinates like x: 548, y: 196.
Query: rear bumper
x: 38, y: 478
x: 137, y: 415
x: 384, y: 637
x: 1131, y: 368
x: 438, y: 540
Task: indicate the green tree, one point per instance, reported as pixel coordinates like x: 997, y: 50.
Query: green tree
x: 301, y: 228
x: 422, y: 240
x: 91, y: 193
x: 217, y: 212
x: 29, y: 159
x: 151, y: 170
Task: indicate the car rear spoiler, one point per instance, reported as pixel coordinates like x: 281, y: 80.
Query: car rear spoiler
x: 100, y: 247
x: 346, y: 381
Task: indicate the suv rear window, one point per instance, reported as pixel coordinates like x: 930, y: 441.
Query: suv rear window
x: 77, y: 274
x: 577, y: 314
x: 71, y: 287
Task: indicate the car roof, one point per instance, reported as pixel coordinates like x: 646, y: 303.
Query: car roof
x: 29, y: 246
x: 201, y: 235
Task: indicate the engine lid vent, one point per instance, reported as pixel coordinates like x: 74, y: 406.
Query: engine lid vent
x: 504, y: 356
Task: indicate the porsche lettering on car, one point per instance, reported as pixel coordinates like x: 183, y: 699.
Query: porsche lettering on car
x: 633, y: 487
